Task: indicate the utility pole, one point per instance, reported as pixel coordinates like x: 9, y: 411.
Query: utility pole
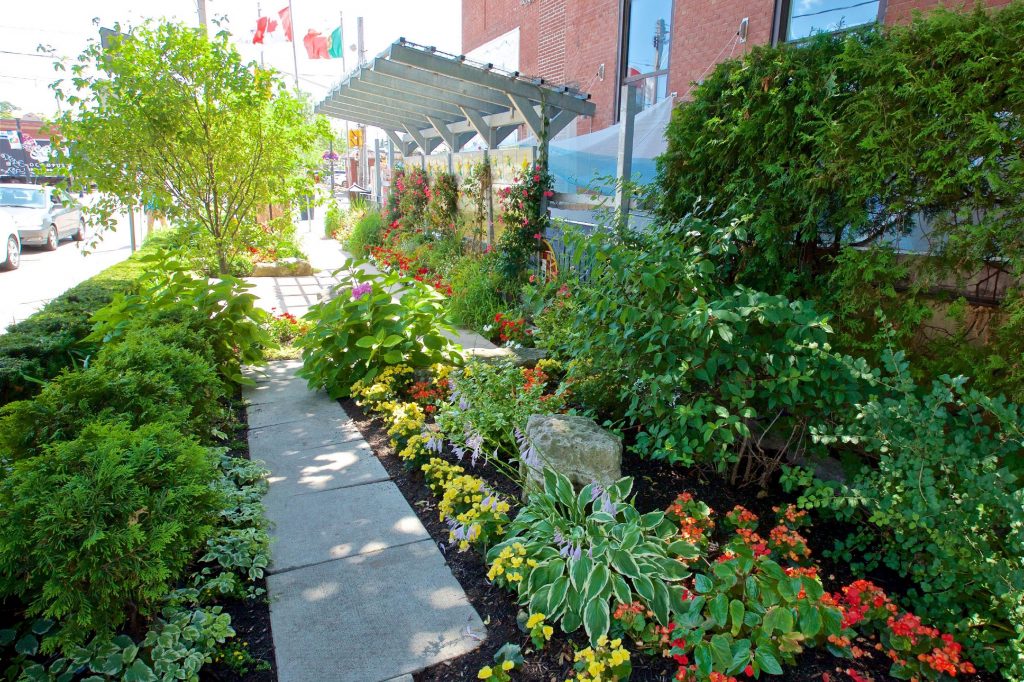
x: 344, y: 72
x: 259, y: 15
x: 295, y: 54
x: 201, y: 8
x: 364, y: 162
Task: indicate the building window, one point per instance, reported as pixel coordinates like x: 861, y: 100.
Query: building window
x: 803, y: 18
x: 646, y: 39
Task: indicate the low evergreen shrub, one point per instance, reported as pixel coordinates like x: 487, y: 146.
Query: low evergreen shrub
x: 95, y: 531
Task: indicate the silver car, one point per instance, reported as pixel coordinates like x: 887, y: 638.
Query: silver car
x: 10, y: 246
x: 44, y: 215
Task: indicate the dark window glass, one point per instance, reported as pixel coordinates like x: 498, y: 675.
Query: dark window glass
x: 807, y: 17
x: 648, y: 40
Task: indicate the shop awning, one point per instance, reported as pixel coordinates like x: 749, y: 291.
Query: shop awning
x: 422, y: 97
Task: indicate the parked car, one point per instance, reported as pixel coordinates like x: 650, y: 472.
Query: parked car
x: 44, y: 215
x: 11, y: 243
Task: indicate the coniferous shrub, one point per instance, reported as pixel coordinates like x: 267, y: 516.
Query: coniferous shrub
x: 95, y: 531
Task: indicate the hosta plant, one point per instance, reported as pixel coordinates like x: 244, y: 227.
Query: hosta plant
x: 364, y: 329
x: 568, y: 555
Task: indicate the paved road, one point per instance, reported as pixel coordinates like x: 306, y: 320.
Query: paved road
x: 44, y: 275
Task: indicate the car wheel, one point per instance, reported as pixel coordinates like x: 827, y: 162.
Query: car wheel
x: 52, y: 239
x: 13, y: 254
x: 79, y: 235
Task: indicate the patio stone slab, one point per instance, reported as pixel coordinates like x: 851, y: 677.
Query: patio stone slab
x: 391, y: 612
x: 293, y: 437
x: 332, y: 466
x: 307, y: 406
x: 339, y: 523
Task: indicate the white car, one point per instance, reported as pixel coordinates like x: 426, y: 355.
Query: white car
x: 11, y: 243
x: 44, y: 215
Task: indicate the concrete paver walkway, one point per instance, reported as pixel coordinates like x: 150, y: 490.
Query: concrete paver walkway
x: 358, y: 590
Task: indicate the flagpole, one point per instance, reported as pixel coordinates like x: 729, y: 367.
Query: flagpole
x: 344, y: 71
x: 295, y: 54
x: 259, y: 14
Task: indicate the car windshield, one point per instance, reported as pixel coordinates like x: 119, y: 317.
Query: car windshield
x: 20, y: 196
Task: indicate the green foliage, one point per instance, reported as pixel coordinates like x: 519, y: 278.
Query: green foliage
x: 707, y: 371
x: 475, y: 285
x: 523, y: 220
x: 91, y: 565
x: 850, y: 139
x: 232, y: 324
x: 568, y: 555
x: 746, y: 610
x: 333, y: 220
x: 51, y: 340
x: 174, y: 648
x: 492, y: 401
x: 442, y: 209
x: 363, y: 329
x: 366, y: 233
x: 238, y: 551
x: 174, y: 117
x: 942, y: 505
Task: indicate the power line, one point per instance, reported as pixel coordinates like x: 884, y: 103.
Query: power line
x: 835, y: 9
x: 32, y: 54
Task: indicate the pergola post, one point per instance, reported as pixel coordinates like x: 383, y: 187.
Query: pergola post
x: 376, y: 173
x: 624, y: 165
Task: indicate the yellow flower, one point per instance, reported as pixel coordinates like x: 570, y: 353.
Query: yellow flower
x: 602, y: 640
x: 616, y: 643
x: 485, y: 673
x: 507, y: 665
x: 595, y: 669
x: 548, y: 631
x: 534, y: 620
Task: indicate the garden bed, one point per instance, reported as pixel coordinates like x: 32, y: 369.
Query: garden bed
x: 498, y: 608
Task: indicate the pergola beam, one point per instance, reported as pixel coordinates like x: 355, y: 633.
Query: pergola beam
x: 405, y: 54
x: 404, y: 146
x: 424, y: 143
x: 406, y: 99
x: 431, y: 87
x: 528, y: 113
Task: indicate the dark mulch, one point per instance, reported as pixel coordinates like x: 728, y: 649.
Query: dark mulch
x: 657, y: 485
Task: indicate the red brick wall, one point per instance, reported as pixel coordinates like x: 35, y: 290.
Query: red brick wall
x: 563, y: 41
x: 576, y: 36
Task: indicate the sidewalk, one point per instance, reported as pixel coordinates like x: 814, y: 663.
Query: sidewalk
x: 358, y: 590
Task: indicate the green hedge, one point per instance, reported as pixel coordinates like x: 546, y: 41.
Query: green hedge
x: 39, y: 347
x: 843, y: 140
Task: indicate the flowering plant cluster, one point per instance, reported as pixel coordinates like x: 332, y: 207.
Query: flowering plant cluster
x: 694, y: 519
x: 636, y: 621
x: 524, y: 223
x: 917, y: 651
x: 509, y: 330
x: 540, y: 631
x: 285, y: 327
x: 475, y: 514
x: 607, y: 661
x: 506, y: 659
x: 410, y: 193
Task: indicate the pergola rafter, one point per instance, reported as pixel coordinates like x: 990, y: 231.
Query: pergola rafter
x: 422, y: 98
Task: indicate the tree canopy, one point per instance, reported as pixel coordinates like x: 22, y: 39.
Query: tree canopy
x: 169, y: 118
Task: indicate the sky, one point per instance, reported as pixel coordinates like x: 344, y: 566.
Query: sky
x: 67, y: 25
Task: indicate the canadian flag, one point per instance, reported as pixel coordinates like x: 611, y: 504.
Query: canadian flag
x: 286, y: 21
x: 316, y: 45
x: 264, y: 26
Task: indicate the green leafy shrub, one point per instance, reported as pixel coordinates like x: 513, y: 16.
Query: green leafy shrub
x: 746, y: 610
x: 38, y: 348
x: 942, y: 505
x: 792, y: 136
x: 568, y: 554
x: 523, y: 220
x: 442, y: 209
x: 97, y: 529
x: 363, y: 329
x: 333, y: 220
x: 475, y: 298
x: 490, y: 404
x: 234, y: 326
x: 366, y: 233
x: 710, y: 372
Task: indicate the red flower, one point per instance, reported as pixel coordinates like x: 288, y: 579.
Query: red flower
x: 548, y: 193
x: 537, y: 236
x: 536, y: 178
x: 749, y: 671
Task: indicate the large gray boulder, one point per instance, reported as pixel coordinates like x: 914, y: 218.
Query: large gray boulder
x: 286, y: 267
x: 574, y: 446
x: 520, y: 357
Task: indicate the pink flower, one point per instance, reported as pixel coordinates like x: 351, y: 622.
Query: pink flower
x: 536, y: 178
x: 548, y: 193
x: 537, y: 236
x: 532, y: 279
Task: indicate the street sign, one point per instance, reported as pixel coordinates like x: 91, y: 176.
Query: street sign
x: 355, y: 138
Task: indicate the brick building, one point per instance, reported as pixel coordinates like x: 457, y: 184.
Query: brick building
x: 662, y: 46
